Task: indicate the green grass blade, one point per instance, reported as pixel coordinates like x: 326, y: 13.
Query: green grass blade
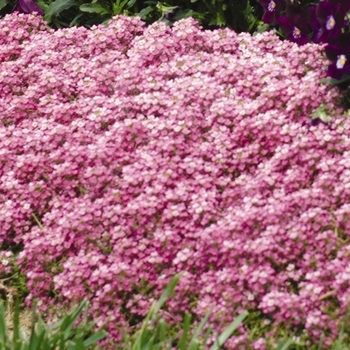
x: 144, y: 336
x: 285, y: 346
x: 194, y: 341
x: 207, y: 334
x: 162, y: 331
x: 167, y: 293
x: 41, y: 326
x: 320, y: 345
x: 36, y: 340
x: 68, y: 321
x: 78, y: 344
x: 142, y: 333
x: 186, y: 329
x: 3, y: 327
x: 62, y: 341
x: 345, y: 322
x: 229, y: 330
x: 95, y: 338
x: 16, y: 336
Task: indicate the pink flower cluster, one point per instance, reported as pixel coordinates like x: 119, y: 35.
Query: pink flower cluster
x: 130, y: 153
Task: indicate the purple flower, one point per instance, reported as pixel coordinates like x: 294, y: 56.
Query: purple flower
x: 295, y: 25
x: 272, y: 8
x: 296, y: 29
x: 330, y: 18
x: 28, y: 6
x: 339, y: 53
x: 318, y: 121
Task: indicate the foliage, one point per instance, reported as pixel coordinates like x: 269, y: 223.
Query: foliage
x: 63, y: 335
x: 240, y: 15
x: 155, y: 334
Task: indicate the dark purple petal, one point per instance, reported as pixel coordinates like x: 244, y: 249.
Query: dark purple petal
x: 302, y: 40
x: 324, y: 9
x: 317, y: 121
x: 28, y: 6
x: 339, y: 68
x: 314, y: 23
x: 341, y: 44
x: 273, y: 9
x: 333, y: 51
x: 295, y: 25
x: 344, y: 5
x: 17, y: 8
x: 294, y: 9
x: 269, y: 17
x: 316, y: 36
x: 296, y: 29
x: 339, y: 54
x: 330, y: 16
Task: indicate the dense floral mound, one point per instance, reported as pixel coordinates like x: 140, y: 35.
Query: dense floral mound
x: 128, y: 154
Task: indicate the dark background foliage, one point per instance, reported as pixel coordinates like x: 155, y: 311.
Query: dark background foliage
x: 240, y: 15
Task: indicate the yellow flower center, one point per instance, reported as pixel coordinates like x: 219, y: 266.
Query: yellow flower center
x: 330, y: 23
x: 296, y: 32
x: 272, y: 6
x: 341, y: 61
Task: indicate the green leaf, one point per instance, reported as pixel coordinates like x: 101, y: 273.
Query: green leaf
x: 145, y: 12
x: 36, y: 340
x: 144, y: 335
x: 57, y: 7
x: 161, y: 331
x: 194, y: 341
x: 183, y: 14
x: 334, y: 82
x: 229, y: 330
x: 69, y: 320
x: 3, y: 3
x: 321, y: 113
x: 208, y: 334
x: 262, y: 27
x: 320, y: 345
x: 78, y: 344
x: 131, y: 3
x: 285, y: 346
x: 95, y: 338
x: 186, y: 329
x: 3, y: 328
x: 167, y: 293
x: 16, y: 325
x: 75, y: 20
x: 41, y: 326
x: 94, y: 8
x: 164, y: 8
x: 118, y: 7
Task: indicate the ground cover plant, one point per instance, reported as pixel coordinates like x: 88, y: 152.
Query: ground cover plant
x: 131, y: 153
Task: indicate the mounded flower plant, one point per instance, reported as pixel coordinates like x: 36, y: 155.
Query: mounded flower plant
x: 131, y: 153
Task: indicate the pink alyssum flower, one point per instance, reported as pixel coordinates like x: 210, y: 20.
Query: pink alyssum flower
x: 158, y: 150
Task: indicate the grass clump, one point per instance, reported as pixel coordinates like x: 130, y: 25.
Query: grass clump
x: 65, y: 334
